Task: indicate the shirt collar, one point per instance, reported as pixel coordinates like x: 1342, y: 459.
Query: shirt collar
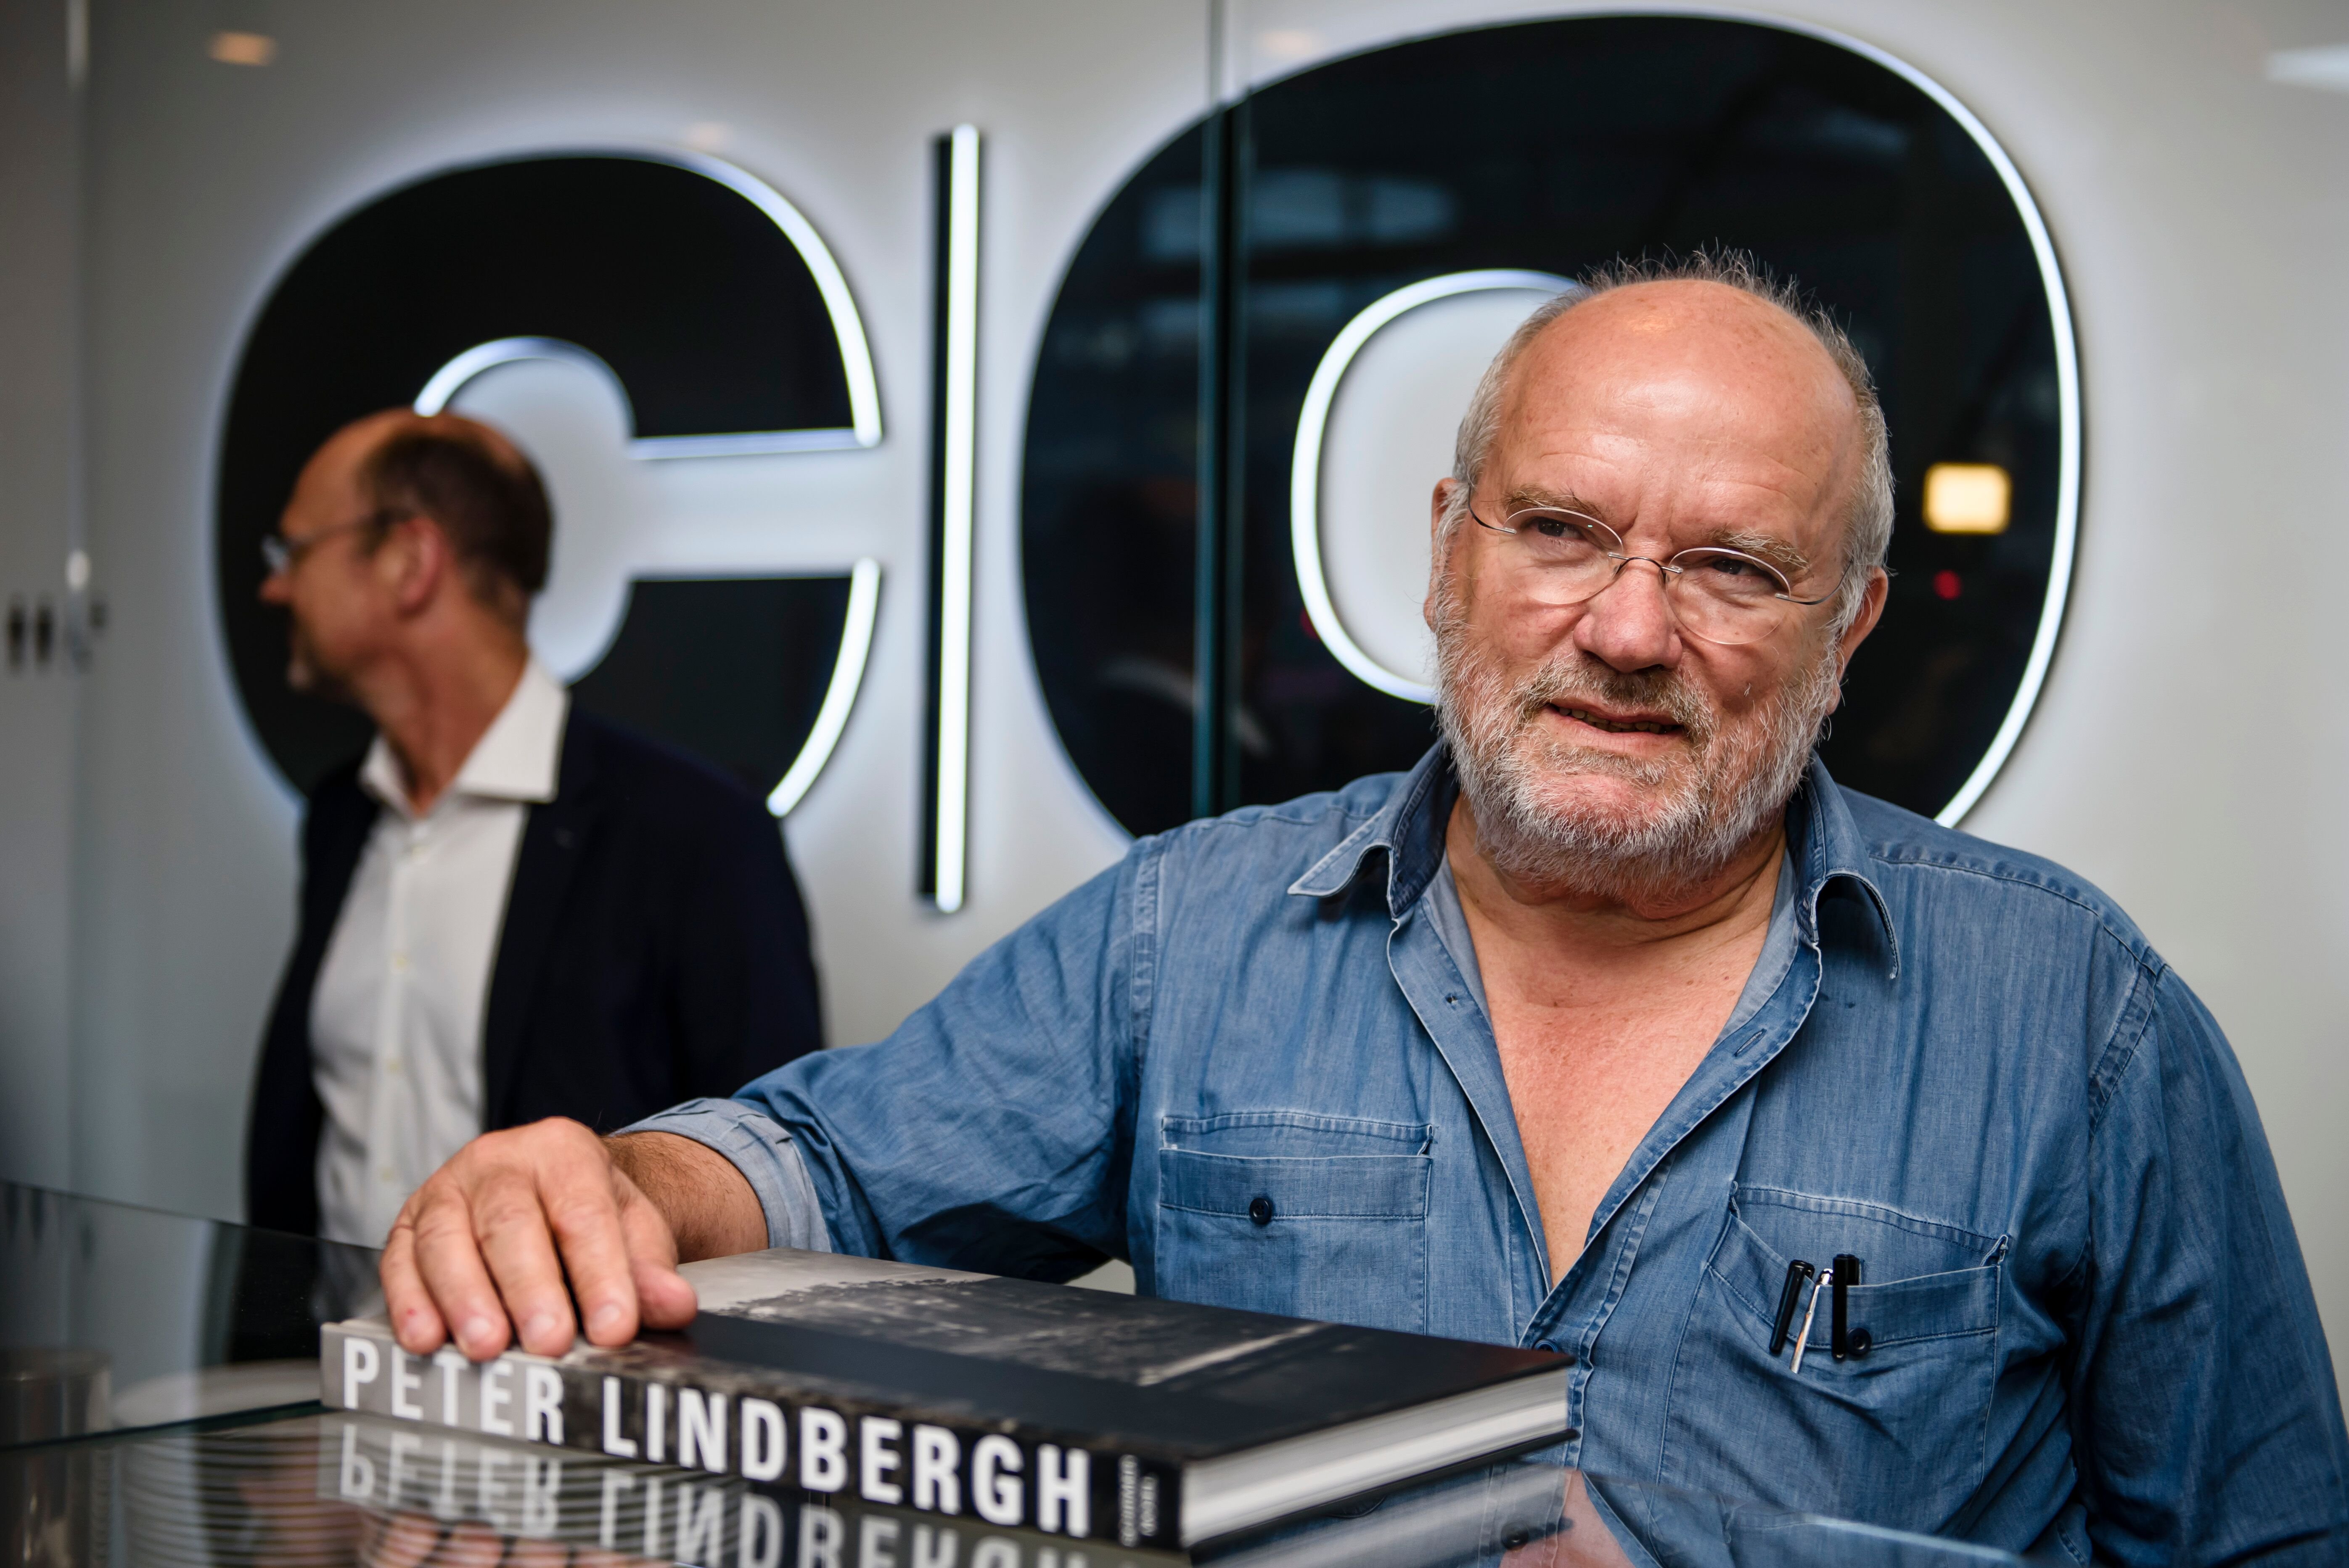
x: 518, y: 758
x: 1822, y: 841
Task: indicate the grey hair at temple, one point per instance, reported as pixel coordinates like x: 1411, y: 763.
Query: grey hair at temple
x: 1869, y: 519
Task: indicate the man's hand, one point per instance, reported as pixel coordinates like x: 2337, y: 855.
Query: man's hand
x: 488, y: 1240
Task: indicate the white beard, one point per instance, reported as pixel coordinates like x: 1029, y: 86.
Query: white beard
x: 1699, y: 809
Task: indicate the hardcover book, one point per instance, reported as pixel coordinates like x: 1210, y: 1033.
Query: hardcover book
x: 1070, y: 1412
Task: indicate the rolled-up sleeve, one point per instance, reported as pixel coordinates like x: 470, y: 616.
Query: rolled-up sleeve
x: 2209, y: 1419
x: 764, y: 1153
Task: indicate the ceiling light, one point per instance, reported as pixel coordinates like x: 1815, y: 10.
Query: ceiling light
x: 1288, y: 43
x: 2325, y: 66
x: 244, y: 48
x: 1968, y: 498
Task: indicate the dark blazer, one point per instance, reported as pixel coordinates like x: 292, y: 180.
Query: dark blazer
x: 654, y: 949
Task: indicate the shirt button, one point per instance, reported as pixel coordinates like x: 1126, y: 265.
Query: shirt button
x: 392, y: 1066
x: 1261, y: 1209
x: 400, y: 962
x: 387, y: 1175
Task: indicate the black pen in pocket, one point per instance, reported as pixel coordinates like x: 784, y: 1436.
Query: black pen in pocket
x: 1789, y: 1297
x: 1846, y: 1341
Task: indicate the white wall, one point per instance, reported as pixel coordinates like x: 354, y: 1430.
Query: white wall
x: 39, y: 177
x: 2184, y: 755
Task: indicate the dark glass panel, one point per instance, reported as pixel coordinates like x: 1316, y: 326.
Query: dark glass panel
x: 733, y: 669
x: 1110, y: 496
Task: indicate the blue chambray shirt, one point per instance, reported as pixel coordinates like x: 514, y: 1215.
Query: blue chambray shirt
x: 1246, y: 1060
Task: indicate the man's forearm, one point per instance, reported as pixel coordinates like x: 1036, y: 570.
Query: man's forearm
x: 710, y: 1206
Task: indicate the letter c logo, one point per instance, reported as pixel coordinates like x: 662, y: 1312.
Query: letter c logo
x: 715, y: 311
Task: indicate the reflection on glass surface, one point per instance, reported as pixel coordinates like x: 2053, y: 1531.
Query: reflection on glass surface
x: 206, y: 1446
x: 114, y: 1317
x: 1556, y: 145
x: 330, y: 1489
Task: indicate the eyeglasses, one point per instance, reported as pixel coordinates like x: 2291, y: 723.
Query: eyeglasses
x: 280, y: 554
x: 1720, y: 594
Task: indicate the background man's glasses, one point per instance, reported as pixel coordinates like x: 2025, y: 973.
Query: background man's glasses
x: 1720, y: 594
x: 280, y: 554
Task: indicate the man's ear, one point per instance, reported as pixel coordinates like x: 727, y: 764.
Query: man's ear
x: 1435, y: 505
x: 1871, y: 610
x: 421, y: 563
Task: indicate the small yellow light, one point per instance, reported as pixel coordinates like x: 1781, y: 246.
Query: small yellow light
x: 244, y: 48
x: 1968, y: 498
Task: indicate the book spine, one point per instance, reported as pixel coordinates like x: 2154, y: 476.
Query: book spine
x: 732, y: 1422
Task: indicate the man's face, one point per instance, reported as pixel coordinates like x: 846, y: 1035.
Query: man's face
x: 1602, y: 742
x: 338, y: 608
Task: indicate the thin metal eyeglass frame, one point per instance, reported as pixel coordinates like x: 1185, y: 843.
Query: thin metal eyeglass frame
x: 281, y: 555
x: 1671, y: 568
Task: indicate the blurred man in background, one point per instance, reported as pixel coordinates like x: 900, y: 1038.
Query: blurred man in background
x: 509, y: 909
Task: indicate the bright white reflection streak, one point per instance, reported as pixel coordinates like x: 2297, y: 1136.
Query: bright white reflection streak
x: 1305, y: 465
x: 958, y: 462
x: 451, y: 377
x: 2067, y: 413
x: 840, y: 697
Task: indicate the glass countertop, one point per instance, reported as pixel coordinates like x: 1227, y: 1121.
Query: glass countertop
x: 159, y: 1405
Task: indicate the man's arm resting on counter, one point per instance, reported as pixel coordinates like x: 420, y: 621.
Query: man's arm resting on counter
x: 1004, y: 1106
x: 487, y: 1241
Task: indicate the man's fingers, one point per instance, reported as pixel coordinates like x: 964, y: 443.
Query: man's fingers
x: 472, y: 1546
x: 586, y: 1206
x: 488, y: 1241
x: 510, y: 1216
x: 448, y: 1260
x: 407, y: 1539
x: 415, y: 1321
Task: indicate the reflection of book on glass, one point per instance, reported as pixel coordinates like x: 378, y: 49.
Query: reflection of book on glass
x: 1072, y: 1412
x: 655, y: 1513
x: 516, y: 1494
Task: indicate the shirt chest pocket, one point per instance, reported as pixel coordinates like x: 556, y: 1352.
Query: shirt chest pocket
x: 1895, y: 1433
x: 1299, y: 1213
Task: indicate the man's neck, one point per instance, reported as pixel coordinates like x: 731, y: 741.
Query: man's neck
x: 433, y: 711
x: 1725, y: 906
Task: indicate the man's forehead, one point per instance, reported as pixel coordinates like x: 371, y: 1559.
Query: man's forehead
x: 1731, y: 385
x: 1682, y: 329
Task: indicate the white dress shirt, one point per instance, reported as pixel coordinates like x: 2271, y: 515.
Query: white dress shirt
x: 395, y: 1024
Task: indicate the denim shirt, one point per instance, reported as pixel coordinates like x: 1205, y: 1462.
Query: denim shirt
x: 1246, y: 1060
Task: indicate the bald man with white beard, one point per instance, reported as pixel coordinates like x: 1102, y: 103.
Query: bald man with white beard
x: 1579, y: 1035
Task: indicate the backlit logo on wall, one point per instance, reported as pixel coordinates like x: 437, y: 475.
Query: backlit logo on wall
x: 722, y: 322
x: 1246, y: 385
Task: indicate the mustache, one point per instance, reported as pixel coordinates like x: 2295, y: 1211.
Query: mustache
x: 1577, y: 673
